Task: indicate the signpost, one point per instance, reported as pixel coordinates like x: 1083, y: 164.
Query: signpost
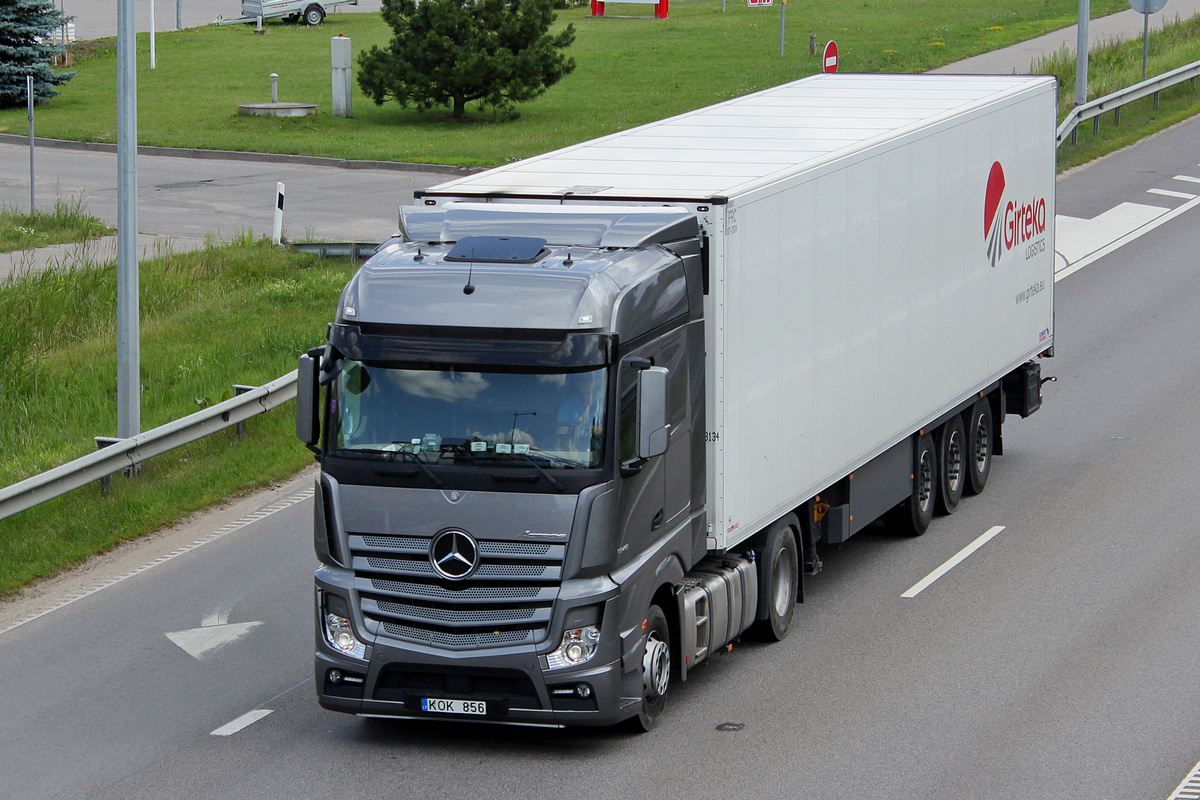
x: 782, y: 17
x: 32, y: 173
x: 1146, y: 8
x: 829, y: 60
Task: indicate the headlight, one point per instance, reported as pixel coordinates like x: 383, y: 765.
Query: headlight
x: 338, y: 633
x: 578, y: 645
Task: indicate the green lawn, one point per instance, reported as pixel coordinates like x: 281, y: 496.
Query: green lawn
x: 630, y: 71
x: 228, y: 314
x: 1116, y: 66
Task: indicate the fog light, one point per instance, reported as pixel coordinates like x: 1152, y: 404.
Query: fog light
x: 335, y: 676
x: 578, y: 645
x: 583, y: 690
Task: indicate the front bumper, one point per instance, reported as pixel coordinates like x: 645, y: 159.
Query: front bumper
x: 515, y: 682
x: 513, y: 686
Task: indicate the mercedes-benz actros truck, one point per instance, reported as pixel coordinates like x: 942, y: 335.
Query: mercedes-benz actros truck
x: 589, y: 417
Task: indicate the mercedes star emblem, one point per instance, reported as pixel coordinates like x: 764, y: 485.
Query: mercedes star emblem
x: 454, y: 554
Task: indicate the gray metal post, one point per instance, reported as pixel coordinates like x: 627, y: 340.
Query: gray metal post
x: 129, y: 408
x: 101, y: 443
x: 343, y: 82
x: 274, y: 87
x: 782, y: 18
x: 1081, y: 52
x: 178, y: 15
x: 240, y: 389
x: 1145, y: 41
x: 153, y: 57
x: 32, y: 172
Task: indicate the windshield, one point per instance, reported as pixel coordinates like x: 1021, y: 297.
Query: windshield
x: 448, y: 416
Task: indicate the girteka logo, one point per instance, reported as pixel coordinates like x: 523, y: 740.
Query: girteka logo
x: 1007, y: 224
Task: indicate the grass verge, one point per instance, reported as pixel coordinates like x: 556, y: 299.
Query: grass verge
x: 1115, y: 66
x: 229, y: 314
x: 630, y: 71
x: 67, y: 223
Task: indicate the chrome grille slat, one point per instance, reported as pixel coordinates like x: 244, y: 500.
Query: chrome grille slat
x: 414, y: 567
x: 508, y: 600
x: 455, y: 618
x: 415, y: 545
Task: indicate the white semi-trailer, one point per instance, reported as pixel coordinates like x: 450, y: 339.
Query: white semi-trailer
x: 591, y: 416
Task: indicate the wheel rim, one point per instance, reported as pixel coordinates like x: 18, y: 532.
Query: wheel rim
x: 783, y: 580
x: 954, y: 462
x: 656, y: 667
x: 983, y: 449
x: 925, y: 489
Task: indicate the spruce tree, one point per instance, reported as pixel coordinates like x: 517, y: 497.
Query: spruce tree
x: 454, y: 52
x: 26, y: 30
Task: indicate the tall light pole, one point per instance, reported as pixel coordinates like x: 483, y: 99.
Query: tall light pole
x: 129, y: 400
x: 1081, y: 52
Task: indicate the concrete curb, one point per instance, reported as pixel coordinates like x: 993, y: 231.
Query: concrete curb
x: 241, y: 155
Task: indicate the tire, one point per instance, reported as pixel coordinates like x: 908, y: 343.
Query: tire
x: 656, y: 670
x: 952, y: 464
x: 778, y: 582
x: 314, y: 15
x: 912, y: 517
x: 980, y: 443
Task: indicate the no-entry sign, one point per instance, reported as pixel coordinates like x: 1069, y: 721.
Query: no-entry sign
x: 831, y: 57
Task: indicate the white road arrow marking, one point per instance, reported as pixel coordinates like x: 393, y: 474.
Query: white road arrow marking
x: 1079, y: 242
x: 199, y: 642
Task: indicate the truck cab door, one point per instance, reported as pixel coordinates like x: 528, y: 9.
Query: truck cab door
x: 641, y: 496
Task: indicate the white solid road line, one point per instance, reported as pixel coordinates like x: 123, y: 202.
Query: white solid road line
x: 244, y: 721
x: 212, y: 537
x: 954, y: 561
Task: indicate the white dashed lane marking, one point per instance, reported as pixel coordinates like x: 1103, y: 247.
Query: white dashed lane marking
x: 953, y: 562
x: 244, y: 721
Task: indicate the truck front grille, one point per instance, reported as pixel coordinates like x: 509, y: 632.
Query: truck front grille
x: 507, y: 601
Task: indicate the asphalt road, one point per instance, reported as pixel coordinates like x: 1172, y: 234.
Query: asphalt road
x: 1059, y: 660
x: 196, y: 197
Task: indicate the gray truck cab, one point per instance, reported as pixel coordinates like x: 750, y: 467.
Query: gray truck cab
x: 509, y: 417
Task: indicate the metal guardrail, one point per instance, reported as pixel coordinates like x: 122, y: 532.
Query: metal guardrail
x: 127, y: 453
x: 359, y: 251
x: 1114, y: 101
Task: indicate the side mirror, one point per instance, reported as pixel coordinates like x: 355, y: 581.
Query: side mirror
x: 308, y: 394
x: 652, y: 428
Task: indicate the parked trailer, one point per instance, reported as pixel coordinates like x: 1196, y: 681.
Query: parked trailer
x: 591, y: 416
x: 310, y: 12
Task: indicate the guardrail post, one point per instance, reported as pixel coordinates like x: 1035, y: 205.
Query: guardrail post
x: 1075, y: 135
x: 1156, y: 94
x: 1095, y: 124
x: 101, y: 443
x: 240, y: 428
x: 1117, y: 116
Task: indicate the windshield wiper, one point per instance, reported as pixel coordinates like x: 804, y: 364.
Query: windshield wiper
x: 438, y: 482
x: 557, y: 460
x: 541, y: 471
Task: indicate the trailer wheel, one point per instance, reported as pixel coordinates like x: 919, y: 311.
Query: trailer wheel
x: 979, y: 447
x: 952, y: 464
x: 656, y: 670
x: 912, y: 517
x: 778, y: 581
x: 314, y: 15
